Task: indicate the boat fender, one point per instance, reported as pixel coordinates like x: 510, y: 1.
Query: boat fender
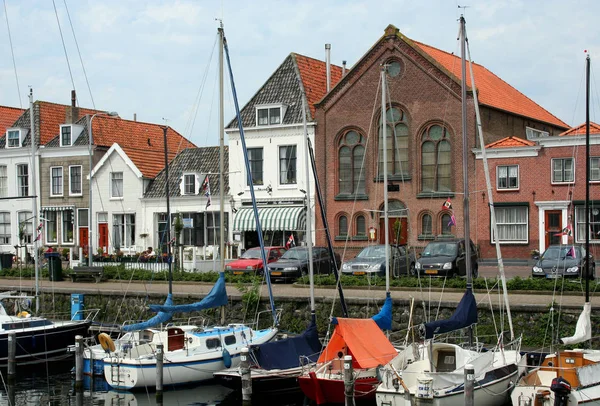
x: 190, y: 339
x: 106, y: 342
x: 226, y: 358
x: 23, y: 314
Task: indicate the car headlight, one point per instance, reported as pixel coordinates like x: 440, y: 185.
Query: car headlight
x: 228, y: 267
x: 573, y: 269
x: 537, y: 269
x: 447, y: 265
x: 345, y: 267
x: 375, y: 267
x: 250, y: 267
x: 418, y: 265
x: 291, y: 268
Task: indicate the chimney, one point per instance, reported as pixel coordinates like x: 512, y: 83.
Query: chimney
x: 72, y: 113
x: 134, y: 116
x: 343, y: 68
x: 328, y: 65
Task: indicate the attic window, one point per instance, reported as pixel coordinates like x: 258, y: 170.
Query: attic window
x: 269, y: 115
x: 394, y: 68
x: 13, y: 138
x: 189, y: 184
x: 533, y: 133
x: 65, y: 136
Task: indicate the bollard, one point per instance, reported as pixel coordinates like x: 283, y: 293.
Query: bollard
x: 348, y: 380
x: 246, y: 377
x: 78, y: 363
x: 469, y: 385
x: 12, y: 356
x: 159, y: 372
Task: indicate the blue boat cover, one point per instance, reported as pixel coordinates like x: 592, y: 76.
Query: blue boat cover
x: 464, y: 316
x: 161, y: 317
x: 383, y: 319
x: 286, y: 353
x: 215, y: 298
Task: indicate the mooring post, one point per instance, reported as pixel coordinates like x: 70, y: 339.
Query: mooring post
x: 469, y: 385
x: 348, y: 380
x: 78, y: 363
x: 159, y: 372
x: 12, y: 356
x: 246, y: 377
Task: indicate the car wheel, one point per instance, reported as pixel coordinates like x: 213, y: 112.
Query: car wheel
x: 412, y: 270
x: 475, y: 273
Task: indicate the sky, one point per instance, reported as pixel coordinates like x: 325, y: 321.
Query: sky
x: 158, y: 59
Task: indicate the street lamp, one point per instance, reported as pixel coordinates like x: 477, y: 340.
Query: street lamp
x: 90, y: 139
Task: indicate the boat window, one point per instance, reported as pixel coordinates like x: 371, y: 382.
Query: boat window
x: 570, y: 361
x: 229, y: 340
x: 213, y: 343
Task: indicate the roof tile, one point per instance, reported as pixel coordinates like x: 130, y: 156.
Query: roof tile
x: 580, y: 130
x: 510, y: 142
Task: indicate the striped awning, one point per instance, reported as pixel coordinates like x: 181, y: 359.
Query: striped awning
x: 57, y: 208
x: 271, y: 218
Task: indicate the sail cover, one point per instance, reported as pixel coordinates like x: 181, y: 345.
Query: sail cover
x: 161, y: 317
x: 289, y: 352
x: 384, y: 317
x: 464, y: 315
x: 583, y: 330
x: 215, y: 298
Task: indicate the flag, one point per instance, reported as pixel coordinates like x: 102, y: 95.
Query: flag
x: 172, y: 241
x: 39, y: 232
x: 568, y: 231
x: 447, y: 204
x: 290, y: 242
x: 571, y: 252
x: 206, y: 190
x: 452, y: 221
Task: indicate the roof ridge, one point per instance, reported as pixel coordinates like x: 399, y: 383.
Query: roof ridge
x: 519, y: 140
x: 315, y: 59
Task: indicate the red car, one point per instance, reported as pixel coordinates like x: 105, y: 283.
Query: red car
x: 251, y: 260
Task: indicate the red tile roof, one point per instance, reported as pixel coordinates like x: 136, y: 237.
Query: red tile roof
x: 8, y: 116
x: 143, y: 142
x: 580, y: 130
x: 52, y: 115
x: 493, y: 91
x: 313, y: 74
x: 510, y: 142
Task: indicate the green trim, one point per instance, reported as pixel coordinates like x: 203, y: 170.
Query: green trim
x: 510, y: 204
x: 425, y: 237
x: 379, y: 179
x: 341, y: 238
x: 359, y: 238
x: 348, y: 197
x: 582, y: 202
x: 429, y: 195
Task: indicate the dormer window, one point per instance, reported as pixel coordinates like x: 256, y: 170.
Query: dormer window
x: 189, y: 184
x: 269, y: 115
x: 65, y: 136
x: 533, y: 133
x: 13, y: 138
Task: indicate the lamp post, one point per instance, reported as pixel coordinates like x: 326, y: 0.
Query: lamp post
x: 90, y: 139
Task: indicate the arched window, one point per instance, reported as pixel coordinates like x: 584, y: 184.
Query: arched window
x: 446, y: 225
x: 435, y: 159
x: 396, y: 143
x: 361, y: 226
x: 426, y: 225
x: 343, y: 226
x: 351, y: 151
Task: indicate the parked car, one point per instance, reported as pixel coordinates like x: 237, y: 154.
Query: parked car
x: 251, y: 260
x: 564, y: 260
x: 294, y: 263
x: 371, y: 261
x: 447, y: 258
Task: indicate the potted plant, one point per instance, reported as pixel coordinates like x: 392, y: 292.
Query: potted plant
x: 65, y: 254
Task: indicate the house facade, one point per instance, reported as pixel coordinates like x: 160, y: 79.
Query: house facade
x: 424, y: 142
x: 275, y: 139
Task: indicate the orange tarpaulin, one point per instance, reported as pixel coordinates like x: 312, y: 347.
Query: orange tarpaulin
x: 362, y: 339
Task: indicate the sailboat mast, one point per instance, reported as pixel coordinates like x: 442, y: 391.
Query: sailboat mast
x: 383, y: 143
x: 34, y: 208
x: 169, y: 244
x: 587, y: 178
x: 221, y: 163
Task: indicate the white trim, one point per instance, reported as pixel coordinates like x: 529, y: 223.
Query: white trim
x: 234, y: 133
x: 511, y: 152
x: 80, y: 180
x: 567, y: 141
x: 46, y: 229
x: 564, y: 182
x: 60, y: 135
x: 62, y: 227
x: 286, y: 185
x: 508, y: 189
x: 550, y: 205
x: 282, y: 110
x: 13, y: 129
x: 512, y: 242
x: 534, y: 134
x: 196, y: 188
x: 116, y: 148
x: 110, y: 188
x: 18, y: 194
x: 56, y: 152
x: 62, y: 180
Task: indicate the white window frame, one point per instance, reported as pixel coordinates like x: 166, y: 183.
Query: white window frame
x: 112, y: 196
x: 3, y: 181
x: 28, y: 226
x: 80, y: 193
x: 269, y: 108
x: 562, y: 182
x: 47, y: 229
x: 6, y: 237
x: 62, y: 181
x: 500, y: 223
x: 62, y: 227
x: 19, y: 142
x: 123, y: 233
x: 508, y: 187
x: 185, y: 191
x: 595, y: 169
x: 70, y: 127
x: 295, y: 182
x: 580, y: 225
x: 534, y: 133
x: 19, y: 178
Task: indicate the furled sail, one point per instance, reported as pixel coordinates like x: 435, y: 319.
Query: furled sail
x: 464, y: 316
x: 384, y: 317
x: 161, y: 317
x: 583, y: 330
x: 215, y: 298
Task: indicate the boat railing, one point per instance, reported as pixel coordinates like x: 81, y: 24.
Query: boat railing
x: 88, y: 314
x: 264, y: 314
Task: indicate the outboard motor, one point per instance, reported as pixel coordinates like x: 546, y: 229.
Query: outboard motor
x: 562, y: 389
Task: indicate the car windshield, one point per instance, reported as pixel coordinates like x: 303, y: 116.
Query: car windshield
x: 376, y: 251
x: 295, y: 254
x: 252, y: 253
x: 434, y: 249
x: 555, y: 253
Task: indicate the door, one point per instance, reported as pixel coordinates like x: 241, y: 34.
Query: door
x: 400, y: 239
x: 102, y: 235
x: 83, y: 238
x: 553, y: 226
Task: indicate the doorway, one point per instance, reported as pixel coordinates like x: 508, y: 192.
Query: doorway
x: 553, y: 227
x: 400, y: 239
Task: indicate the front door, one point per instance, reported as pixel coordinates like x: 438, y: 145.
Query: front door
x: 401, y: 238
x: 553, y: 227
x: 102, y: 235
x: 83, y: 238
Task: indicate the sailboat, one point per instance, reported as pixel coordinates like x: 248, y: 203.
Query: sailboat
x: 194, y: 355
x: 434, y: 371
x: 569, y: 377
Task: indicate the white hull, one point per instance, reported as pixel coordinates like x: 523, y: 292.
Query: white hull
x: 589, y: 395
